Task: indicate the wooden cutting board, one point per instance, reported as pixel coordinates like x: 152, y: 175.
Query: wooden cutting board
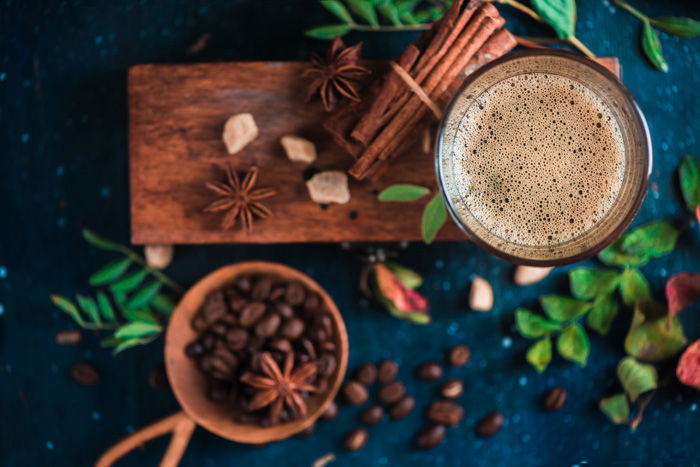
x: 176, y: 117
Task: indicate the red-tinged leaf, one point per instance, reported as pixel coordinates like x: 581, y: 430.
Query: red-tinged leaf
x: 697, y: 212
x: 401, y: 297
x: 681, y: 290
x: 688, y: 369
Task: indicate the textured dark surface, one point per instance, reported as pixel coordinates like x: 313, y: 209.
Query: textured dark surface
x: 64, y: 165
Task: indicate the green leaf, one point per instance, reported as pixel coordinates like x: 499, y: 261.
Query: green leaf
x: 650, y: 337
x: 129, y: 343
x: 408, y: 277
x: 652, y: 47
x: 111, y: 272
x: 68, y: 307
x: 423, y: 16
x: 589, y: 283
x: 677, y: 25
x: 560, y: 14
x: 434, y: 217
x: 614, y: 256
x: 338, y: 9
x: 120, y: 299
x: 403, y: 192
x: 100, y: 242
x: 364, y: 10
x: 651, y: 240
x: 163, y: 304
x: 633, y: 287
x: 328, y: 31
x: 406, y: 6
x: 689, y: 178
x: 105, y: 307
x: 616, y: 408
x: 561, y: 308
x: 637, y: 378
x: 140, y: 315
x: 130, y: 282
x: 390, y: 12
x: 601, y: 316
x: 137, y: 329
x: 110, y: 341
x: 532, y: 325
x: 573, y: 344
x: 89, y: 307
x: 540, y: 354
x: 144, y: 296
x: 409, y: 18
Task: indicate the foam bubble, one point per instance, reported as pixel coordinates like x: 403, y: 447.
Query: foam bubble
x: 540, y: 159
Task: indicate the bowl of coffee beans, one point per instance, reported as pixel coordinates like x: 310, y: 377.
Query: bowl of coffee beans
x: 256, y: 351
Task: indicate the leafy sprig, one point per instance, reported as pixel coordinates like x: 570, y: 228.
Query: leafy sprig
x: 134, y: 308
x: 636, y: 379
x: 689, y: 181
x: 434, y: 213
x: 651, y: 45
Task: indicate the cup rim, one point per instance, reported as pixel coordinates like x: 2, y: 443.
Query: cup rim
x: 639, y: 121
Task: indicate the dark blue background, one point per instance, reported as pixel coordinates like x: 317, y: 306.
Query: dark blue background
x: 63, y: 163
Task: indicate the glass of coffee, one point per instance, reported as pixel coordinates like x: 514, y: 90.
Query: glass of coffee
x: 543, y: 158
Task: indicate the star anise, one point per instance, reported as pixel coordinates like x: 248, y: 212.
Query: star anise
x: 336, y: 75
x: 240, y: 198
x: 279, y: 388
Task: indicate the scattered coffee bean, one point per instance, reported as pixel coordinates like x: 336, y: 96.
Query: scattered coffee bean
x: 268, y: 325
x: 355, y: 393
x: 429, y: 371
x: 402, y: 408
x: 306, y: 432
x: 366, y: 374
x: 489, y: 425
x: 237, y: 338
x: 157, y: 378
x: 330, y: 413
x: 391, y: 393
x: 554, y: 399
x: 387, y: 371
x: 445, y: 412
x: 452, y: 389
x: 430, y: 436
x: 372, y: 415
x: 251, y: 314
x: 459, y: 355
x: 356, y: 439
x: 84, y: 373
x: 68, y: 337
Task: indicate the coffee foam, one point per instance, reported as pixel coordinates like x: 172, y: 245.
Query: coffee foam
x: 539, y: 159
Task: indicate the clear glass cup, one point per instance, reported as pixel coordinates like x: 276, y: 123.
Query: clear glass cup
x: 637, y: 156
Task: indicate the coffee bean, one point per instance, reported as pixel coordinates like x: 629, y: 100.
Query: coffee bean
x: 554, y: 399
x: 68, y: 337
x: 391, y: 393
x: 402, y: 408
x: 229, y: 320
x: 355, y: 393
x: 445, y: 412
x: 312, y: 302
x: 366, y: 374
x: 372, y: 415
x: 214, y: 307
x: 356, y: 439
x: 295, y: 294
x: 281, y: 345
x: 430, y: 436
x: 284, y: 309
x: 277, y: 294
x: 326, y: 323
x: 330, y: 413
x: 459, y: 355
x: 208, y: 341
x: 327, y: 364
x: 328, y: 346
x: 219, y: 328
x: 243, y: 284
x: 157, y: 378
x: 307, y: 432
x: 308, y: 348
x: 84, y: 373
x: 452, y: 389
x: 429, y: 371
x: 268, y: 325
x: 237, y: 304
x: 251, y: 314
x: 317, y: 334
x: 194, y: 349
x: 387, y: 371
x: 489, y: 425
x: 218, y: 391
x: 292, y: 328
x: 237, y: 338
x: 261, y: 288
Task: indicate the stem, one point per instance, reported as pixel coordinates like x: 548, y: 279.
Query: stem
x: 542, y: 40
x: 573, y: 40
x: 407, y: 27
x: 519, y: 6
x: 158, y: 274
x: 98, y: 327
x: 632, y: 10
x: 634, y: 423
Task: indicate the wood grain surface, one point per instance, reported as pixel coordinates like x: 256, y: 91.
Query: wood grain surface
x: 176, y: 117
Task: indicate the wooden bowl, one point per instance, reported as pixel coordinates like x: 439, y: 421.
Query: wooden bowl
x: 189, y: 384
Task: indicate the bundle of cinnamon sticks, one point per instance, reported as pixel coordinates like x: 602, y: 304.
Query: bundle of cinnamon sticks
x: 385, y: 122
